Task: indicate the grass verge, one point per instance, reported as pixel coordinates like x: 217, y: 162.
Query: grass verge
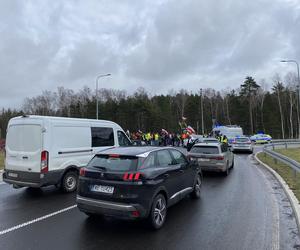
x: 1, y: 159
x: 291, y: 177
x: 293, y: 153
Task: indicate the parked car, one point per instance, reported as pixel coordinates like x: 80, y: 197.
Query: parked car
x: 42, y: 151
x: 137, y: 182
x: 199, y: 140
x: 242, y: 144
x: 261, y: 138
x: 210, y: 140
x: 212, y: 157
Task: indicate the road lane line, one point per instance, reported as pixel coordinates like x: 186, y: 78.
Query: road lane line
x: 36, y: 220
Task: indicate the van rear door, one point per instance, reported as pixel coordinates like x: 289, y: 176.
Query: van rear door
x: 23, y: 147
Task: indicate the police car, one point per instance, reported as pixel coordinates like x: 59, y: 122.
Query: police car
x: 261, y: 138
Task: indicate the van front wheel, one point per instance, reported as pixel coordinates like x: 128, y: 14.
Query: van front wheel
x: 69, y: 182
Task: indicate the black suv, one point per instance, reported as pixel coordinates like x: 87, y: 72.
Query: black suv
x: 137, y: 182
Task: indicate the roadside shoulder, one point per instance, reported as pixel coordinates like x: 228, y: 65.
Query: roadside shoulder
x: 291, y: 196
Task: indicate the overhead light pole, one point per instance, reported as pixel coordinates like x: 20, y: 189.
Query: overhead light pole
x: 298, y: 85
x: 202, y: 120
x: 97, y: 79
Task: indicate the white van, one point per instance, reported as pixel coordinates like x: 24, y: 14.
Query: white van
x: 231, y: 132
x: 43, y: 150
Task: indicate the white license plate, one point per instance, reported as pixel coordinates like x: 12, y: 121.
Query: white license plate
x: 203, y: 159
x: 102, y: 189
x: 14, y: 175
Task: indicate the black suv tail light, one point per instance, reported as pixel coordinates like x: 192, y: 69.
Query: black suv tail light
x: 132, y: 176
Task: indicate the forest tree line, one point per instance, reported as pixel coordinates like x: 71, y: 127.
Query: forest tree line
x: 255, y: 106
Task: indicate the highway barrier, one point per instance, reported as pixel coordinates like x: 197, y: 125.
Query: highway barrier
x: 269, y: 150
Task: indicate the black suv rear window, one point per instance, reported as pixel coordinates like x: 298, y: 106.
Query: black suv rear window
x: 115, y: 163
x: 205, y: 150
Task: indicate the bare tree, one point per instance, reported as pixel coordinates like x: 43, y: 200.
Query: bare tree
x: 291, y: 80
x: 211, y: 94
x: 261, y: 94
x: 180, y: 100
x: 226, y: 96
x: 64, y: 99
x: 278, y: 90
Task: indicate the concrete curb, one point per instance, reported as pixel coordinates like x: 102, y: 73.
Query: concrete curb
x: 1, y: 172
x: 289, y: 193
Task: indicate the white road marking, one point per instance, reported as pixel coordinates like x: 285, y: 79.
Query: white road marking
x: 36, y: 220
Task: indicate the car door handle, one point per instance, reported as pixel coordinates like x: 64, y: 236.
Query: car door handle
x: 166, y: 175
x: 181, y: 171
x: 25, y: 157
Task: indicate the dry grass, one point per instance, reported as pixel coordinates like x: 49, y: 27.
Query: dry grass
x: 291, y: 177
x: 293, y: 153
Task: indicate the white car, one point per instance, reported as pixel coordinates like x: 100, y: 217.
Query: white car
x: 261, y: 138
x: 42, y: 151
x: 212, y: 157
x: 242, y: 144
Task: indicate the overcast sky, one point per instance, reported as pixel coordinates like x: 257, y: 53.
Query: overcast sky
x: 159, y: 45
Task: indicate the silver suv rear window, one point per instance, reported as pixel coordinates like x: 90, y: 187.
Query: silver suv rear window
x: 205, y: 150
x: 242, y: 139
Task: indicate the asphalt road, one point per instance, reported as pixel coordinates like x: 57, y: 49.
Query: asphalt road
x: 246, y: 210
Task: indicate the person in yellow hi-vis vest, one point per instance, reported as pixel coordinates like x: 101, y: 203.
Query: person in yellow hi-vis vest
x: 156, y: 139
x: 148, y: 138
x: 224, y: 139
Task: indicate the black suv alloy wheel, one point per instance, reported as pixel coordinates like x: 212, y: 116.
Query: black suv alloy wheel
x: 158, y: 212
x: 197, y: 188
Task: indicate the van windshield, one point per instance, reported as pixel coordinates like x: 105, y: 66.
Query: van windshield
x: 26, y: 138
x: 114, y: 163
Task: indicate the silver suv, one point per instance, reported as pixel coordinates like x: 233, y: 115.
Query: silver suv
x: 212, y: 157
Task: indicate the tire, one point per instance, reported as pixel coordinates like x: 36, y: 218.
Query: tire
x: 226, y: 172
x: 69, y: 182
x: 94, y: 216
x: 232, y: 165
x: 158, y: 212
x: 196, y: 193
x: 90, y: 214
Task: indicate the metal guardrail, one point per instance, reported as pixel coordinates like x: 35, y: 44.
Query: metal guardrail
x: 269, y: 149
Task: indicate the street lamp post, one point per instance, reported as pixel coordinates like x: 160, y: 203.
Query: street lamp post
x: 202, y: 120
x: 97, y: 79
x: 298, y: 85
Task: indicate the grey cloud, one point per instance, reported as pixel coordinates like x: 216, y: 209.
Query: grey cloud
x: 158, y: 45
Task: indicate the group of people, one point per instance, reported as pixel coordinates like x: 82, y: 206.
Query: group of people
x: 162, y: 138
x: 222, y: 138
